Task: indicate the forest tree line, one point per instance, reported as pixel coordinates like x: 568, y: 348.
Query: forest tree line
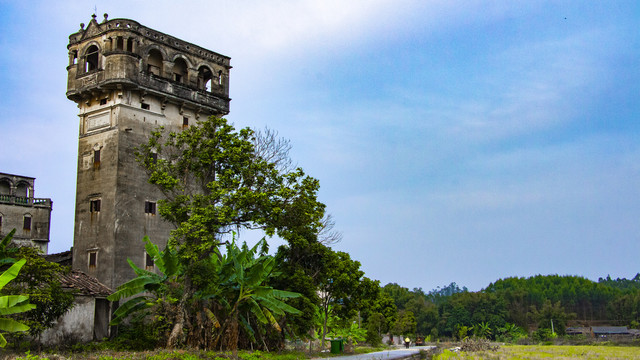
x: 525, y: 304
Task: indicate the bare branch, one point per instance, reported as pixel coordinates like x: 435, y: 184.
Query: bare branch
x: 327, y: 235
x: 273, y: 149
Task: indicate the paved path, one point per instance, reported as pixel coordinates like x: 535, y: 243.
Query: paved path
x: 384, y: 355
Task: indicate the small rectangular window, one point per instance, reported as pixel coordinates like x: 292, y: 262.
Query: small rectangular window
x: 150, y: 207
x: 148, y: 263
x: 103, y: 101
x: 96, y: 158
x: 145, y: 106
x: 0, y: 221
x: 26, y: 225
x: 93, y: 259
x: 94, y: 206
x: 154, y: 158
x: 185, y: 122
x: 178, y: 77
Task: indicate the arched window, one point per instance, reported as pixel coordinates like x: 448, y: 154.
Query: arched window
x: 22, y: 190
x: 5, y: 187
x: 180, y: 71
x: 204, y: 78
x: 154, y: 62
x: 91, y: 58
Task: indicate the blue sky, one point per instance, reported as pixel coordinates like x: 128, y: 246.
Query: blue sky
x: 454, y: 141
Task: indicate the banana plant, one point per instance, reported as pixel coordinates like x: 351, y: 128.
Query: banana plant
x: 243, y: 289
x: 12, y: 304
x: 6, y: 252
x: 147, y: 285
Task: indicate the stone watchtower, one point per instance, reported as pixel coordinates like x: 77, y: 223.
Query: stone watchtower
x: 128, y: 80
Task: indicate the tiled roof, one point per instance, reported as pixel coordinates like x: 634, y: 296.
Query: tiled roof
x: 84, y: 284
x: 64, y: 258
x: 609, y: 330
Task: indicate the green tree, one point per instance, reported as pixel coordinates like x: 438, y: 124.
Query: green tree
x: 376, y: 324
x: 40, y: 280
x: 232, y: 292
x: 217, y: 180
x: 339, y: 287
x: 551, y: 315
x: 405, y: 323
x: 483, y: 330
x: 243, y: 289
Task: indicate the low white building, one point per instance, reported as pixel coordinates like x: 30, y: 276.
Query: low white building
x: 89, y: 317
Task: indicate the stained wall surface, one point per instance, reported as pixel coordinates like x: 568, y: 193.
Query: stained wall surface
x: 128, y: 80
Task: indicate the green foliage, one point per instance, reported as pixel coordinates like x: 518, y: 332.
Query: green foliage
x: 351, y: 332
x: 29, y: 356
x: 405, y: 323
x: 12, y: 304
x: 339, y: 286
x: 551, y: 316
x: 7, y: 252
x: 586, y: 299
x: 483, y: 330
x: 239, y: 293
x: 622, y: 283
x: 40, y: 279
x: 243, y: 289
x: 510, y: 333
x: 375, y: 325
x: 148, y: 289
x: 217, y: 180
x: 543, y: 334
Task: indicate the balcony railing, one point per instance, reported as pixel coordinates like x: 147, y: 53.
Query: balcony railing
x: 21, y: 200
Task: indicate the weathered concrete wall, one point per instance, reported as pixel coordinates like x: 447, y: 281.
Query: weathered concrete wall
x: 127, y: 81
x: 76, y: 326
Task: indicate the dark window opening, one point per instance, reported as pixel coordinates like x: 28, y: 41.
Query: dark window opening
x: 91, y: 59
x: 148, y: 263
x: 154, y: 158
x: 120, y: 43
x: 96, y: 159
x: 180, y: 71
x: 145, y: 106
x: 154, y: 62
x: 130, y: 45
x: 26, y: 225
x: 0, y: 221
x: 204, y: 78
x: 150, y: 207
x: 93, y: 259
x: 94, y: 206
x: 103, y: 101
x: 185, y: 122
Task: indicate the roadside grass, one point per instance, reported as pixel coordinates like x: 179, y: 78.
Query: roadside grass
x: 534, y: 352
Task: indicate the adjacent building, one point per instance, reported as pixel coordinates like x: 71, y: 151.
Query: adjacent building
x: 127, y: 81
x: 20, y: 210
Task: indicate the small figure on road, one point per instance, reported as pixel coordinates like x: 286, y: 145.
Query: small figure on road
x: 407, y: 341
